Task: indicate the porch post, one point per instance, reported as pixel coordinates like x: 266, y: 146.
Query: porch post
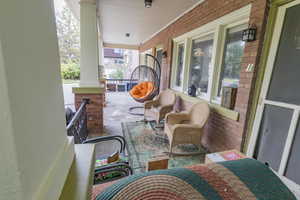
x: 89, y: 68
x: 89, y: 60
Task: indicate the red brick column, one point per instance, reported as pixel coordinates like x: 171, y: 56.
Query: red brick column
x: 94, y: 108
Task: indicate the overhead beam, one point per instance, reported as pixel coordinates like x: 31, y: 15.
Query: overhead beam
x: 121, y: 46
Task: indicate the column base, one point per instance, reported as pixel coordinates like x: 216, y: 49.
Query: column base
x: 94, y: 109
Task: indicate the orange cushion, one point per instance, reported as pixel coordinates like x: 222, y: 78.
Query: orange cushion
x: 142, y: 89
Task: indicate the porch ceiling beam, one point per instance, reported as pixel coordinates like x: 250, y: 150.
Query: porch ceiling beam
x: 121, y: 46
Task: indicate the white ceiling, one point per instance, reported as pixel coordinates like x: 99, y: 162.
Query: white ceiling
x: 118, y: 17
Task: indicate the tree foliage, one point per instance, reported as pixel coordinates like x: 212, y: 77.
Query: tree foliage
x: 70, y: 71
x: 68, y: 36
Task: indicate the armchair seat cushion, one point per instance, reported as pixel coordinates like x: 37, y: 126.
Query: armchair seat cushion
x: 187, y: 127
x: 160, y: 106
x: 155, y: 109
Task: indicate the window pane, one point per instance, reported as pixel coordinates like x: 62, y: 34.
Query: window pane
x: 231, y: 67
x: 292, y: 170
x: 179, y: 71
x: 273, y: 132
x: 159, y: 56
x: 284, y: 85
x: 200, y: 63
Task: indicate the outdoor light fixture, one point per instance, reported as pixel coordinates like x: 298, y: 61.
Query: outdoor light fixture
x: 164, y: 54
x: 148, y: 3
x: 249, y: 34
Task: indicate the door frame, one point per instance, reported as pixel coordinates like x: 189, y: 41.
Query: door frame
x: 277, y: 24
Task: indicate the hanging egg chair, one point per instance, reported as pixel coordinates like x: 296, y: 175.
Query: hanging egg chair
x: 145, y: 82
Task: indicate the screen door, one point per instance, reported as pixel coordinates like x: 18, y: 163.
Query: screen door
x: 276, y: 136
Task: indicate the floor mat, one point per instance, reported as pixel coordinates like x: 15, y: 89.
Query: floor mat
x: 145, y: 143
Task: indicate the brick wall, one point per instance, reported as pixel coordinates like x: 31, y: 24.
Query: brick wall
x: 221, y: 133
x: 94, y: 112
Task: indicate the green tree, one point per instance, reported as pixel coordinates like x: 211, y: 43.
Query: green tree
x: 68, y: 36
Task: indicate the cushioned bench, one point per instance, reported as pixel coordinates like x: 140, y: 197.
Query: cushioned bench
x: 244, y: 179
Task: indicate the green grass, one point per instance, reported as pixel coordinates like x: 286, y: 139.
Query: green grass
x: 69, y: 81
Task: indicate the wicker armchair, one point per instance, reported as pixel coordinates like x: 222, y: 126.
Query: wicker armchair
x: 187, y: 128
x: 160, y: 106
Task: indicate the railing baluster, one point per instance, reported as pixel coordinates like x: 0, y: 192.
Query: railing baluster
x: 78, y: 125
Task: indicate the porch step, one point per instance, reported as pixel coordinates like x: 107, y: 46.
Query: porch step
x: 79, y: 183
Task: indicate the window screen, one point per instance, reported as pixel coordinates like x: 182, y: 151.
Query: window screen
x: 200, y: 64
x: 272, y: 135
x: 179, y: 71
x: 232, y: 58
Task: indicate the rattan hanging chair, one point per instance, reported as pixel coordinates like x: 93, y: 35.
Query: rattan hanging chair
x: 145, y: 83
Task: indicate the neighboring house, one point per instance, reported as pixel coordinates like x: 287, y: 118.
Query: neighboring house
x: 119, y: 62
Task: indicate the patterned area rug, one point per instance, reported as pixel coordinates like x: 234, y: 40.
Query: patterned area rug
x: 145, y: 143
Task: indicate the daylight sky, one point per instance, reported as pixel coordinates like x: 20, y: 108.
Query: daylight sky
x: 59, y: 4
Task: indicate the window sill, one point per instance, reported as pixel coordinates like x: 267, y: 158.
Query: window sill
x: 230, y: 114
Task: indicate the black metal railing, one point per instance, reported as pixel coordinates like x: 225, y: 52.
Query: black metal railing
x: 78, y: 125
x: 119, y: 85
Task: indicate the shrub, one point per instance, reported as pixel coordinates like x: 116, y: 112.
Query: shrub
x: 70, y: 71
x: 118, y: 74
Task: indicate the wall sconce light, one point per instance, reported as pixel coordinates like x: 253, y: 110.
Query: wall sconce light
x: 249, y: 34
x: 164, y: 54
x: 148, y: 3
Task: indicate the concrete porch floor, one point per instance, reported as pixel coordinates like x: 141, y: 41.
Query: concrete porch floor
x: 116, y: 112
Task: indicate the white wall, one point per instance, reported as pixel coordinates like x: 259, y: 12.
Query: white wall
x: 32, y: 109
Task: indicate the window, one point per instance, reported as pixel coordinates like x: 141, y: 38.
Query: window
x: 159, y: 56
x: 200, y: 63
x: 179, y: 68
x: 146, y: 60
x: 232, y: 58
x: 210, y: 56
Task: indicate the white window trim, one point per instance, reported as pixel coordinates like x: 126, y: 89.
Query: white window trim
x: 143, y: 56
x: 217, y: 27
x: 175, y: 61
x: 221, y: 47
x: 202, y: 37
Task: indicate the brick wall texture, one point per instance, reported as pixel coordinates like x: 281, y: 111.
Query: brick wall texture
x: 94, y: 111
x: 221, y: 133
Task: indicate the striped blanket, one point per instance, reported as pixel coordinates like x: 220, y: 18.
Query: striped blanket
x: 245, y: 179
